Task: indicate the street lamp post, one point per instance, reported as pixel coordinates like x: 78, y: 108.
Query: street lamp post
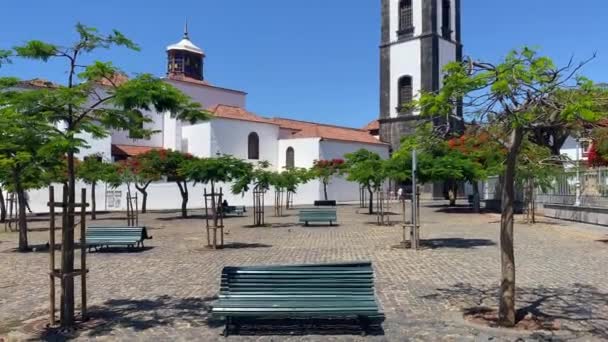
x: 577, y: 199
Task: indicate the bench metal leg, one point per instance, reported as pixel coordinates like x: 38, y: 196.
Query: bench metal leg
x: 226, y: 331
x: 364, y: 323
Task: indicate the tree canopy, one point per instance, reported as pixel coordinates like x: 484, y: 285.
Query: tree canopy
x: 519, y: 95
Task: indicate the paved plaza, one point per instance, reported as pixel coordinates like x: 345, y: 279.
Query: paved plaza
x: 164, y: 292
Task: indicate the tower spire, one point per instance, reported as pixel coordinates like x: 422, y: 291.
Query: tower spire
x: 186, y: 36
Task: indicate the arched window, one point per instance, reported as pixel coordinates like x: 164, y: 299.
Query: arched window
x: 446, y: 19
x: 406, y: 19
x: 406, y: 94
x: 290, y: 158
x: 253, y: 146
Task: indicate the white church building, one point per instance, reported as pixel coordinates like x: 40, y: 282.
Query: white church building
x: 233, y: 130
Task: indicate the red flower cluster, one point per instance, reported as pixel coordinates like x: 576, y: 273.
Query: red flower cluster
x: 132, y: 165
x: 329, y: 163
x: 468, y: 143
x: 594, y: 158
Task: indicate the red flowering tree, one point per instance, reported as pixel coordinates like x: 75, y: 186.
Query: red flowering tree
x: 480, y: 157
x: 169, y: 164
x: 324, y: 170
x: 595, y: 158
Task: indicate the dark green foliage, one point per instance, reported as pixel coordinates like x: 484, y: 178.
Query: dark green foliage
x: 368, y: 169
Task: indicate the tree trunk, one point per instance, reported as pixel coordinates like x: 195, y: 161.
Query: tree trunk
x: 93, y: 202
x: 476, y: 199
x: 183, y: 190
x: 325, y: 189
x: 144, y: 196
x: 67, y: 249
x: 22, y: 219
x: 452, y: 192
x: 2, y: 206
x: 371, y: 200
x: 506, y: 312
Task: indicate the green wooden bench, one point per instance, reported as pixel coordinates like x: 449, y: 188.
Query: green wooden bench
x: 130, y: 237
x: 234, y: 210
x: 327, y: 291
x: 315, y: 215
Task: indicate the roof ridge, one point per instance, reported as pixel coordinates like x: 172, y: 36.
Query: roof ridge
x: 320, y: 124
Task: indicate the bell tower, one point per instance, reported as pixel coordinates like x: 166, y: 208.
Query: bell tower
x: 418, y: 38
x: 184, y: 59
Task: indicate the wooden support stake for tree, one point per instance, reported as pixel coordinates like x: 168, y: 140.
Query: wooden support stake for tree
x: 83, y: 254
x: 52, y: 254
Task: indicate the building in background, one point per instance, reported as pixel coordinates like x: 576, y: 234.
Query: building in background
x: 233, y: 130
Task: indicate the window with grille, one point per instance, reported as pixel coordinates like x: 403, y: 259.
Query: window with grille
x: 406, y: 19
x: 406, y: 94
x: 290, y: 158
x: 446, y: 20
x: 253, y: 144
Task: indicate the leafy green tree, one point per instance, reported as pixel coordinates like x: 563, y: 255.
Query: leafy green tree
x: 520, y: 94
x: 368, y: 169
x: 223, y: 169
x: 325, y: 170
x: 82, y: 104
x: 92, y: 170
x: 25, y: 152
x: 170, y: 164
x: 292, y: 178
x: 535, y: 170
x: 144, y: 173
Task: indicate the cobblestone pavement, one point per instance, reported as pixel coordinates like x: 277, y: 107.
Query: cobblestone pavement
x: 164, y: 292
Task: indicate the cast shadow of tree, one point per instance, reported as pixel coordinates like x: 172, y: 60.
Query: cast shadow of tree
x: 581, y: 309
x: 143, y: 314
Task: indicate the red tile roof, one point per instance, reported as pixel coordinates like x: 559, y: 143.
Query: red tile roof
x: 372, y: 126
x: 131, y: 150
x: 304, y: 129
x: 38, y: 83
x: 238, y: 113
x: 193, y: 81
x: 116, y: 80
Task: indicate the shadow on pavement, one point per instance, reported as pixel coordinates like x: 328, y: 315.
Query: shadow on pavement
x: 143, y: 314
x: 305, y: 327
x: 239, y: 245
x: 581, y: 309
x: 456, y: 243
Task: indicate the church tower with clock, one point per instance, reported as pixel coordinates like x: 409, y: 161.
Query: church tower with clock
x: 419, y: 37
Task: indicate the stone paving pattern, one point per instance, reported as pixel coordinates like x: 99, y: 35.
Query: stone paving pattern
x: 164, y: 292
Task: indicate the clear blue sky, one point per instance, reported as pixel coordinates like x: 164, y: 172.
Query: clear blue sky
x: 312, y: 60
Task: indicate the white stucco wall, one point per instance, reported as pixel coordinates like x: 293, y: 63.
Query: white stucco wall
x: 339, y: 188
x: 231, y: 137
x: 156, y: 140
x: 570, y: 148
x: 306, y: 151
x: 405, y: 61
x: 210, y: 96
x: 101, y: 146
x: 198, y: 139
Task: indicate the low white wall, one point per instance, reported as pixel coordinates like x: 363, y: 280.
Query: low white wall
x: 165, y: 196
